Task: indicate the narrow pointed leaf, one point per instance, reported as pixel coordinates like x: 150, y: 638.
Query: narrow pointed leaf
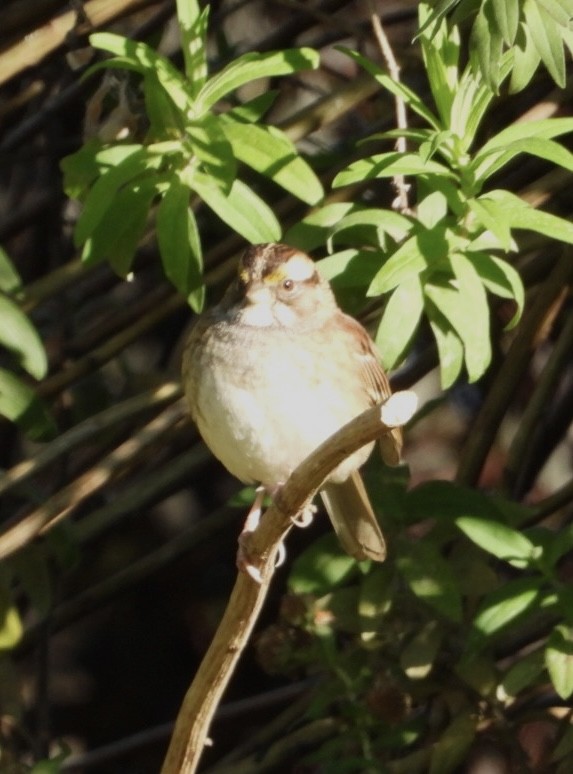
x: 241, y: 209
x: 125, y: 218
x: 412, y: 100
x: 506, y: 13
x: 450, y: 347
x: 400, y: 321
x: 193, y: 27
x: 143, y: 58
x: 547, y: 40
x: 19, y: 336
x: 179, y: 243
x: 430, y: 577
x: 559, y: 660
x: 501, y: 279
x: 270, y: 152
x: 212, y: 147
x: 387, y: 165
x: 252, y: 66
x: 499, y: 540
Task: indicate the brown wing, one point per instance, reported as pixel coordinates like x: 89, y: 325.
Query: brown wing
x: 377, y: 385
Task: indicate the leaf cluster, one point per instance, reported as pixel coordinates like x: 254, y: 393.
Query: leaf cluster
x: 191, y: 152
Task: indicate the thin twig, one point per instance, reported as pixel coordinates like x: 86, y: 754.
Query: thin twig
x: 247, y: 597
x: 533, y: 329
x: 32, y: 48
x: 84, y: 431
x: 530, y: 436
x: 21, y: 531
x: 402, y: 188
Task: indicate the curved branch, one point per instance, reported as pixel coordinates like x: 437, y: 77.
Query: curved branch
x: 247, y: 597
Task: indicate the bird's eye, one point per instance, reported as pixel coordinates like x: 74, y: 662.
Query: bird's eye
x: 288, y: 284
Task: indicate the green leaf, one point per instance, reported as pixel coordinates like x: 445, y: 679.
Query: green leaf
x: 560, y: 11
x: 450, y: 347
x: 418, y: 657
x: 269, y: 151
x: 241, y: 209
x: 387, y: 165
x: 102, y: 195
x: 10, y: 281
x: 501, y: 607
x: 441, y: 58
x: 165, y: 119
x: 19, y: 336
x: 250, y: 67
x: 400, y: 321
x: 547, y: 39
x: 547, y: 128
x: 499, y: 540
x: 11, y: 627
x: 521, y: 215
x: 354, y: 268
x: 486, y: 43
x: 384, y: 221
x: 453, y: 302
x: 253, y: 110
x: 321, y: 567
x: 452, y: 747
x: 523, y: 673
x: 491, y: 217
x: 430, y: 577
x: 501, y: 279
x: 541, y: 147
x: 179, y: 243
x: 312, y: 231
x: 412, y: 100
x: 376, y: 597
x: 20, y: 404
x: 193, y: 27
x: 125, y: 218
x: 559, y: 660
x: 506, y: 13
x: 525, y: 60
x: 427, y: 247
x: 81, y: 168
x: 212, y: 147
x: 143, y: 59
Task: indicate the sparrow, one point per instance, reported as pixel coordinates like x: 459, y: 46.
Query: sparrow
x: 276, y: 368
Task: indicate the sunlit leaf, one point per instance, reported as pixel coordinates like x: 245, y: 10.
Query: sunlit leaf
x: 10, y: 281
x: 499, y: 540
x: 450, y: 347
x: 241, y: 209
x: 193, y: 29
x: 211, y: 146
x: 503, y: 606
x: 270, y: 152
x: 559, y: 660
x: 142, y: 58
x: 19, y: 336
x: 430, y: 577
x: 547, y: 39
x: 249, y: 67
x: 321, y: 567
x: 400, y: 321
x: 387, y: 165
